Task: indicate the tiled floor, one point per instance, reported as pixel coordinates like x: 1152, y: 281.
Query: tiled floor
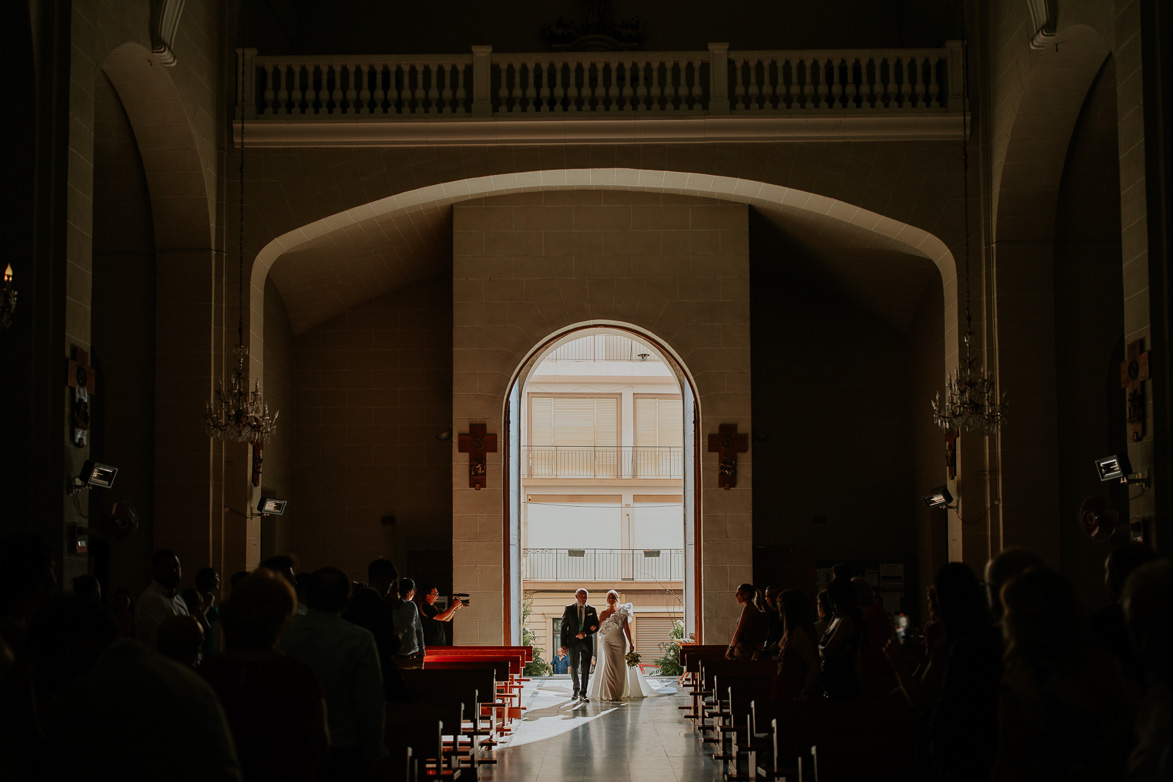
x: 640, y: 741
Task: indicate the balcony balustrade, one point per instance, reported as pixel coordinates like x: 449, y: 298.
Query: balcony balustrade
x: 599, y: 564
x: 282, y: 92
x: 614, y: 462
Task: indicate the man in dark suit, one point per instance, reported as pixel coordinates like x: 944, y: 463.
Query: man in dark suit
x: 580, y: 622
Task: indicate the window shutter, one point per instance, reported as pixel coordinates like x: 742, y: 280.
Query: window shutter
x: 574, y: 421
x: 646, y: 422
x: 541, y: 421
x: 607, y: 422
x: 670, y: 422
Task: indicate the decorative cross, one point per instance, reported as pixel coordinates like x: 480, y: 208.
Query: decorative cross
x: 476, y: 444
x: 81, y: 378
x: 727, y: 443
x: 1133, y: 372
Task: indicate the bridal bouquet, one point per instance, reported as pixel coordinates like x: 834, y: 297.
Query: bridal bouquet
x: 632, y: 659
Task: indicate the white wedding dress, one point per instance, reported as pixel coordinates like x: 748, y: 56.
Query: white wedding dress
x: 613, y: 680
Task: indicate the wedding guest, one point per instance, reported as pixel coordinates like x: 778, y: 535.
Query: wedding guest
x: 161, y: 598
x: 826, y: 612
x: 122, y: 609
x: 934, y: 630
x: 407, y: 626
x: 1064, y: 708
x: 370, y: 608
x: 1149, y: 615
x: 561, y: 662
x: 180, y: 638
x: 876, y: 677
x: 751, y: 626
x: 87, y: 586
x: 839, y: 646
x: 1108, y: 626
x: 774, y: 628
x: 346, y: 660
x: 273, y: 702
x: 798, y: 676
x: 207, y: 583
x: 284, y: 565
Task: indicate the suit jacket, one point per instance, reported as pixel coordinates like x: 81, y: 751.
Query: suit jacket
x: 590, y: 625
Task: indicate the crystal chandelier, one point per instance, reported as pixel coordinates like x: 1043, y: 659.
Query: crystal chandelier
x: 239, y: 413
x: 972, y: 402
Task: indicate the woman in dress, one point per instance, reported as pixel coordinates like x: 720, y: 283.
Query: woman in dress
x: 839, y: 647
x: 751, y: 627
x: 613, y: 680
x: 798, y: 661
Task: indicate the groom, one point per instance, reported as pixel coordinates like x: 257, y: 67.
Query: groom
x: 579, y: 625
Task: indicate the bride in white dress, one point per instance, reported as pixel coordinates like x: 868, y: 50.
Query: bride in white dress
x: 613, y: 680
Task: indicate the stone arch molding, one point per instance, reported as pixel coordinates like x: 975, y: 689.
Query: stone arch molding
x: 900, y: 236
x: 181, y: 201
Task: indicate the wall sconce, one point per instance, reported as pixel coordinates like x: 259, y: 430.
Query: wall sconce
x: 270, y: 506
x: 7, y: 298
x: 95, y: 474
x: 938, y: 498
x: 1116, y: 466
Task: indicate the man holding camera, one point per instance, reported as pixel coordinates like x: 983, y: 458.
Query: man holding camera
x: 431, y: 616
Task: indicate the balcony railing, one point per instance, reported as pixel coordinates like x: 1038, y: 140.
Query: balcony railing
x: 602, y: 462
x: 593, y: 84
x: 602, y: 564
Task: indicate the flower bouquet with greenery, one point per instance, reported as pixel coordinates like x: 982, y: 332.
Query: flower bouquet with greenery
x: 632, y: 658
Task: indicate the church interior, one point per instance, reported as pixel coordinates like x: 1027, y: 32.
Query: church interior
x: 828, y: 215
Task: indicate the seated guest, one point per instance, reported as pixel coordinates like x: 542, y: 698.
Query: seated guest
x: 431, y: 617
x: 1108, y: 629
x: 1149, y: 615
x: 408, y: 627
x: 369, y: 608
x: 963, y: 726
x: 876, y: 678
x: 207, y: 582
x: 346, y: 660
x: 561, y: 661
x: 839, y: 646
x: 934, y: 630
x: 1064, y: 710
x: 825, y: 611
x: 274, y: 703
x: 161, y: 598
x: 774, y: 628
x: 181, y: 638
x: 113, y: 710
x: 798, y: 657
x: 751, y: 629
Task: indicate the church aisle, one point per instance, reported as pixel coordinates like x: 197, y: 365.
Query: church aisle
x: 641, y: 741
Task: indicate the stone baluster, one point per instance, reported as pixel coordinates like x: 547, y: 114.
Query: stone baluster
x: 641, y: 92
x: 718, y: 78
x: 865, y: 82
x: 351, y: 71
x: 420, y: 94
x: 531, y: 90
x: 545, y: 70
x: 851, y: 89
x: 557, y: 91
x: 808, y: 87
x: 282, y: 106
x: 738, y: 102
x: 393, y: 95
x: 826, y: 70
x: 753, y: 90
x: 613, y: 102
x: 627, y: 95
x: 890, y: 88
x: 795, y: 89
x: 934, y: 83
x: 572, y: 82
x: 459, y: 94
x: 919, y: 68
x: 296, y: 94
x: 906, y: 94
x: 446, y: 94
x: 671, y: 81
x: 318, y: 94
x: 655, y: 91
x: 336, y: 92
x: 769, y: 73
x: 589, y: 74
x: 516, y: 93
x: 698, y: 93
x: 433, y: 96
x: 363, y: 74
x: 378, y: 93
x: 270, y: 94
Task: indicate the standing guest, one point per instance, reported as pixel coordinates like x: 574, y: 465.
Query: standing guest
x: 839, y: 647
x: 798, y: 657
x: 826, y: 612
x: 774, y: 629
x: 370, y: 608
x: 1108, y: 627
x: 181, y: 638
x: 750, y: 633
x: 876, y: 678
x: 123, y: 612
x: 408, y: 627
x: 431, y: 617
x: 161, y: 598
x: 255, y: 682
x: 1064, y: 709
x: 284, y: 565
x: 934, y: 630
x: 346, y: 660
x: 561, y: 662
x: 88, y: 587
x: 1149, y: 615
x: 963, y: 726
x: 237, y: 577
x: 207, y: 583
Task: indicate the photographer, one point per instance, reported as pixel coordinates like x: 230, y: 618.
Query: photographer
x: 431, y: 616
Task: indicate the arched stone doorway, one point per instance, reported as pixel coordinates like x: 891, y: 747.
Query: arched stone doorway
x: 625, y: 475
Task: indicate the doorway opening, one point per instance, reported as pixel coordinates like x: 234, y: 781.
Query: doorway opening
x: 601, y: 460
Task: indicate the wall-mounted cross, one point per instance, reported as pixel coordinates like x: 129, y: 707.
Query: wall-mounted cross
x: 476, y: 444
x: 1133, y: 372
x: 727, y: 443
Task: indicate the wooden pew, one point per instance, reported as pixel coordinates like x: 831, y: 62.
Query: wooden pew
x: 709, y: 703
x: 464, y: 686
x: 691, y: 656
x: 507, y: 703
x: 419, y: 729
x: 735, y: 693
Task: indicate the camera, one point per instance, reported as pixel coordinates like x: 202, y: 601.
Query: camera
x: 462, y: 597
